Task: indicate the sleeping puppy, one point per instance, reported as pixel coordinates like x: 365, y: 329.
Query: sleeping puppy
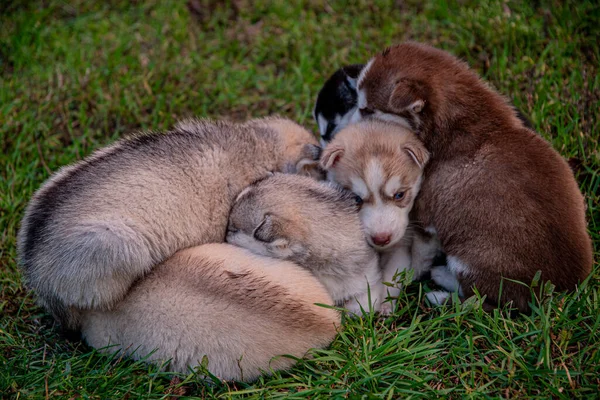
x: 503, y: 202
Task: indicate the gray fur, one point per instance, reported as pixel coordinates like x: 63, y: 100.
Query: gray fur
x: 96, y: 226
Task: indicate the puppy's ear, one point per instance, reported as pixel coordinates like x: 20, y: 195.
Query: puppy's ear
x: 331, y: 155
x: 417, y: 152
x: 308, y: 164
x: 408, y: 95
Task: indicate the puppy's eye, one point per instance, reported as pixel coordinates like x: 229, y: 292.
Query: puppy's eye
x: 366, y: 111
x: 399, y: 196
x: 232, y: 229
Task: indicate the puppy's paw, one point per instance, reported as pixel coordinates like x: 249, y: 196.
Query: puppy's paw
x: 438, y: 297
x: 442, y: 276
x: 387, y: 308
x: 353, y: 308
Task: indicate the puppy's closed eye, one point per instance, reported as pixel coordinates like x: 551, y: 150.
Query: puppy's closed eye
x: 265, y: 231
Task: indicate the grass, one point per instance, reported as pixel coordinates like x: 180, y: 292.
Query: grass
x: 75, y: 76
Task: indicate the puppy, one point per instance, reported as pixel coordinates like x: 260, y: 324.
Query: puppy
x: 382, y: 164
x: 503, y: 202
x: 96, y: 226
x: 237, y: 309
x: 314, y: 225
x: 338, y: 98
x: 336, y: 101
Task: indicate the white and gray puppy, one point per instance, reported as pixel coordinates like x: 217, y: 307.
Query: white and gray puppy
x: 96, y: 226
x: 316, y: 225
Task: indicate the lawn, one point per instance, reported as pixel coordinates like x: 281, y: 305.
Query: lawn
x: 75, y: 76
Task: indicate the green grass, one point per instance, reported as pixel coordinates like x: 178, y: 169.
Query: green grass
x: 74, y: 77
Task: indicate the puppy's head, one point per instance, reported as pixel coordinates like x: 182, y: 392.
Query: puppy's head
x: 409, y: 84
x: 382, y: 164
x: 294, y: 218
x: 301, y: 150
x: 336, y: 101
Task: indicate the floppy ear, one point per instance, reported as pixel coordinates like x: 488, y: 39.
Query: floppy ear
x: 408, y: 95
x: 309, y: 161
x: 417, y: 152
x: 331, y: 155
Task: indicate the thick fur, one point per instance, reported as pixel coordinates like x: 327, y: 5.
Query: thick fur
x: 315, y: 225
x: 238, y: 309
x: 337, y: 101
x: 96, y: 226
x: 503, y: 202
x: 378, y: 160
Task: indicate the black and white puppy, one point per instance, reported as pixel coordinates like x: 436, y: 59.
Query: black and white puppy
x: 337, y: 101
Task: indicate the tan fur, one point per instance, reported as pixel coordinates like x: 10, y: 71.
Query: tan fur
x: 503, y: 202
x: 397, y: 157
x: 95, y: 227
x: 238, y: 309
x: 315, y: 225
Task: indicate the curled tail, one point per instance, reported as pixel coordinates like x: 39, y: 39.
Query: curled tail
x: 87, y: 265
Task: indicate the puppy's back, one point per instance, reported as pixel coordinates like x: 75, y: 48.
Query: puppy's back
x: 219, y: 301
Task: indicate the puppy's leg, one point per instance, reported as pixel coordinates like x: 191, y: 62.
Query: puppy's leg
x: 372, y: 287
x: 398, y: 261
x: 444, y: 277
x: 424, y: 249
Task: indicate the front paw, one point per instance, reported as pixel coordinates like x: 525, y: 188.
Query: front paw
x: 356, y: 306
x: 353, y: 308
x: 387, y: 308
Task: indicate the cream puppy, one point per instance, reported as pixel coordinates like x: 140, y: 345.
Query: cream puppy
x: 382, y: 163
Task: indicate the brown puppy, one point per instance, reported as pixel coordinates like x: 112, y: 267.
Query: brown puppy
x: 502, y: 201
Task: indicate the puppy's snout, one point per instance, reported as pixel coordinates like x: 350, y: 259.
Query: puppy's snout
x: 381, y: 239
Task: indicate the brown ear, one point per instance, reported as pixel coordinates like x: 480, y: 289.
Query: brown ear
x: 417, y: 152
x: 331, y: 155
x: 408, y: 95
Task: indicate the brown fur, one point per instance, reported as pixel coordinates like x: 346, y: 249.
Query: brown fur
x: 501, y: 199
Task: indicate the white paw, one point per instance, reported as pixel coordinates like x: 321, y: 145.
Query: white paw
x: 387, y: 308
x: 442, y: 276
x: 438, y: 297
x: 353, y: 308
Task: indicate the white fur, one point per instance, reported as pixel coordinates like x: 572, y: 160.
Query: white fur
x: 393, y: 262
x: 424, y: 251
x: 457, y: 266
x: 438, y: 297
x: 446, y: 277
x: 322, y: 122
x: 442, y: 276
x: 382, y: 217
x: 374, y: 176
x: 392, y: 186
x: 391, y: 118
x: 359, y: 187
x: 341, y: 121
x: 364, y: 73
x: 431, y: 230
